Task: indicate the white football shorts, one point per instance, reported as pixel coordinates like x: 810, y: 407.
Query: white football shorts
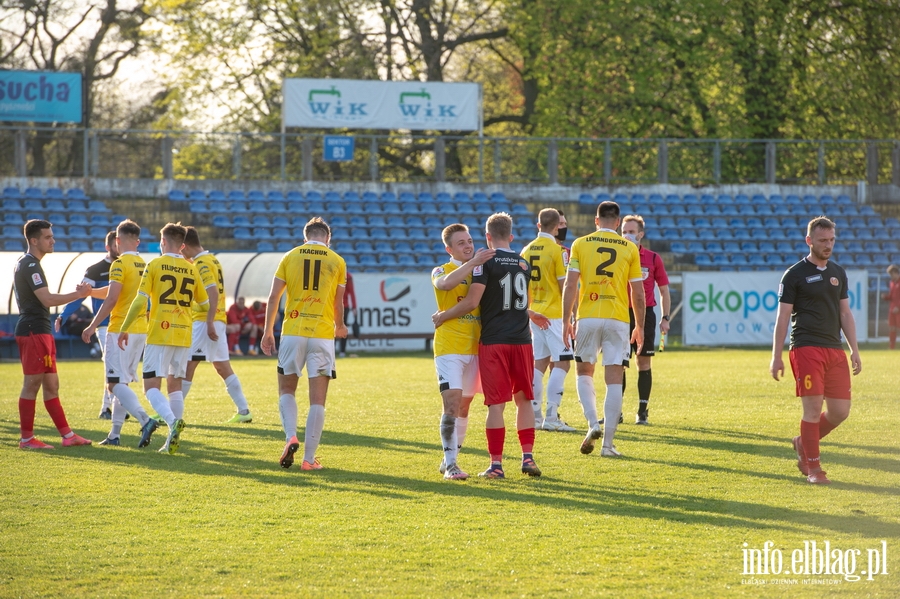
x: 317, y: 355
x: 101, y: 338
x: 458, y: 371
x: 121, y: 364
x: 205, y: 349
x: 163, y: 360
x: 608, y: 335
x: 549, y: 343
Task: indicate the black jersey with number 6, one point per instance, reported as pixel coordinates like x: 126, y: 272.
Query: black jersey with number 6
x: 504, y: 305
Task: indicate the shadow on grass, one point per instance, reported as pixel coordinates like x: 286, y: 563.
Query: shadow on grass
x: 546, y: 492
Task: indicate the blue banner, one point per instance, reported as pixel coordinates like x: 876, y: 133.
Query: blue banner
x: 40, y: 96
x: 339, y: 148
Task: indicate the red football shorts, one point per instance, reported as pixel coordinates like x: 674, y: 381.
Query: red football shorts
x: 505, y: 370
x: 893, y: 318
x: 37, y: 353
x: 821, y: 371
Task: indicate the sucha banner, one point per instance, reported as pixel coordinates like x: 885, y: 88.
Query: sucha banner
x: 414, y: 105
x: 739, y: 308
x: 40, y: 96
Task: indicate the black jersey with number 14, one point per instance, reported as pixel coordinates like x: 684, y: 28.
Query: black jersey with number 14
x: 504, y: 305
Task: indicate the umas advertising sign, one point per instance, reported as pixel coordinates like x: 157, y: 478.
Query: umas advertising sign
x: 739, y: 308
x: 394, y: 306
x: 347, y: 103
x: 40, y: 96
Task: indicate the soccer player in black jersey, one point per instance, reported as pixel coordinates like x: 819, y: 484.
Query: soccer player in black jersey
x: 813, y: 295
x: 505, y: 356
x: 37, y: 349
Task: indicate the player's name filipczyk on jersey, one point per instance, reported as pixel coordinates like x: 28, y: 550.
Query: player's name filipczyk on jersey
x: 178, y: 269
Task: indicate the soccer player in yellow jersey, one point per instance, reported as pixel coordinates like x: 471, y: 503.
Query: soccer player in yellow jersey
x: 607, y: 265
x: 456, y: 343
x: 121, y: 364
x: 172, y: 284
x: 548, y: 273
x: 209, y: 341
x: 314, y: 277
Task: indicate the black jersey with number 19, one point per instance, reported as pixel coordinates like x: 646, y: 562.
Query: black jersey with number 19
x: 504, y: 305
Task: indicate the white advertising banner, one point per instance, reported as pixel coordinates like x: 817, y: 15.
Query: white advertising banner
x: 393, y: 304
x: 354, y: 104
x: 739, y: 308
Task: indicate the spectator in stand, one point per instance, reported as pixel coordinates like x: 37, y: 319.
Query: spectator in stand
x: 241, y: 322
x: 349, y: 306
x: 77, y: 321
x: 259, y: 318
x: 893, y: 296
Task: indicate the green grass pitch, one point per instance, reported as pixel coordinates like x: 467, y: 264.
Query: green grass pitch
x: 713, y: 472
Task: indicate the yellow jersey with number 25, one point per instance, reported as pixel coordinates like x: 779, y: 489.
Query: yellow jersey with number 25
x: 171, y: 283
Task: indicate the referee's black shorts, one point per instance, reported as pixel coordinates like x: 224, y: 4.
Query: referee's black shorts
x: 649, y: 347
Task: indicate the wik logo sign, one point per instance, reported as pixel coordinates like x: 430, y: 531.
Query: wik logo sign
x: 419, y: 112
x: 328, y: 104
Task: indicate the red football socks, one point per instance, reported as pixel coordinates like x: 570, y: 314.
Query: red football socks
x: 526, y: 439
x: 55, y: 409
x: 26, y: 417
x: 825, y: 426
x: 809, y: 437
x: 495, y: 440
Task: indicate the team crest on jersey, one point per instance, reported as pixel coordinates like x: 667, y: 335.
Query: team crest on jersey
x: 164, y: 325
x: 834, y: 281
x: 36, y: 277
x: 476, y: 272
x: 523, y: 264
x: 437, y: 272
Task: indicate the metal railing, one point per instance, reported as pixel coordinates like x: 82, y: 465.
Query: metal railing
x: 185, y: 155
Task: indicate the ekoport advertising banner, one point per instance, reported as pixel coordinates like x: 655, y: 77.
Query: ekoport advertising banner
x: 40, y: 96
x: 393, y: 304
x: 414, y: 105
x: 739, y: 308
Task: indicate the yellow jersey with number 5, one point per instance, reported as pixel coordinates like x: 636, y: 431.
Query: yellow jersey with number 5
x: 171, y: 283
x: 127, y: 270
x: 312, y: 273
x: 547, y: 268
x: 210, y: 272
x: 607, y: 263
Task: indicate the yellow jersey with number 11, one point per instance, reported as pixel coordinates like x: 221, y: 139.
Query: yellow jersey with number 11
x: 312, y: 273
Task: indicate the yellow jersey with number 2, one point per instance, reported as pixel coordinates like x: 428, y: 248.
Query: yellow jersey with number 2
x: 607, y: 263
x: 171, y: 283
x: 312, y: 273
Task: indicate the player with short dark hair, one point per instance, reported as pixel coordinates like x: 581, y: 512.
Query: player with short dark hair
x: 98, y: 276
x: 456, y: 343
x: 814, y: 297
x: 209, y: 341
x: 505, y: 356
x: 607, y: 266
x: 314, y: 277
x: 37, y: 349
x: 893, y: 299
x: 654, y: 272
x: 172, y: 285
x: 548, y: 273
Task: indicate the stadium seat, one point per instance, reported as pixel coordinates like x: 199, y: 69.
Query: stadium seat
x: 236, y: 195
x: 79, y: 245
x: 284, y: 246
x: 264, y: 246
x: 702, y: 260
x: 255, y: 195
x: 76, y: 193
x: 678, y: 247
x: 367, y: 260
x: 198, y: 207
x: 257, y: 206
x: 713, y: 247
x: 12, y: 193
x: 586, y: 199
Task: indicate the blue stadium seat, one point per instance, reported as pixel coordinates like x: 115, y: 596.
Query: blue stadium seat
x: 237, y: 206
x: 236, y: 195
x: 242, y: 233
x: 78, y: 219
x: 702, y: 260
x: 221, y: 220
x: 767, y: 246
x: 262, y: 232
x: 758, y: 233
x: 12, y: 193
x: 275, y: 196
x: 255, y: 195
x: 713, y: 247
x: 33, y: 204
x: 78, y: 232
x: 294, y: 196
x: 749, y: 246
x: 76, y: 193
x: 739, y: 260
x: 720, y: 259
x: 586, y: 199
x: 667, y: 222
x: 731, y: 247
x: 689, y: 234
x: 428, y: 209
x: 764, y: 210
x: 14, y: 218
x: 367, y: 260
x: 695, y: 247
x: 741, y: 198
x: 257, y: 206
x: 426, y: 198
x: 79, y: 246
x: 264, y: 246
x: 196, y: 194
x: 198, y: 207
x: 376, y: 221
x: 844, y: 200
x: 284, y: 246
x: 280, y: 208
x: 282, y: 233
x: 784, y: 247
x: 746, y: 210
x: 678, y: 247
